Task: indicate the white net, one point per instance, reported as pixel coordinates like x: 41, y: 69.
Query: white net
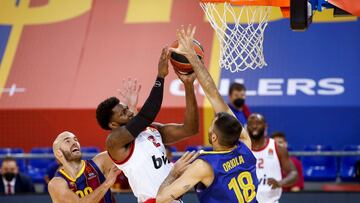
x: 240, y: 31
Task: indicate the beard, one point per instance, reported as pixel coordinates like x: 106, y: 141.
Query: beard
x: 258, y: 135
x: 70, y: 157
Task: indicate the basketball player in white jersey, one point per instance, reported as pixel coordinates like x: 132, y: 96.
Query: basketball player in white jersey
x: 136, y: 144
x: 271, y: 160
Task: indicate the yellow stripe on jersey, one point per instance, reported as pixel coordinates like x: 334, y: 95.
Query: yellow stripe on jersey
x: 214, y: 152
x: 77, y: 176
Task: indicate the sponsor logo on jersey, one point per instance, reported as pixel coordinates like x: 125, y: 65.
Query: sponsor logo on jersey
x: 263, y: 180
x: 160, y: 161
x: 271, y: 153
x: 91, y: 175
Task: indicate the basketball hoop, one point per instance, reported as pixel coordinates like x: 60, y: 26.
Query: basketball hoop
x: 240, y: 26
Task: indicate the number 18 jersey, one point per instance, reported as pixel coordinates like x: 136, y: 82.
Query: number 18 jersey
x: 235, y: 177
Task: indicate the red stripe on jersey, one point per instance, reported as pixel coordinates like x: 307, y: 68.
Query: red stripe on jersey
x: 262, y: 148
x: 132, y: 147
x: 150, y: 201
x: 92, y: 178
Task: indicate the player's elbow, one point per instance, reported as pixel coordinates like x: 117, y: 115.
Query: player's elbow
x: 193, y: 127
x: 193, y: 130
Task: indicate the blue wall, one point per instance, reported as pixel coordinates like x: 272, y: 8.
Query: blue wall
x: 336, y: 126
x: 326, y: 59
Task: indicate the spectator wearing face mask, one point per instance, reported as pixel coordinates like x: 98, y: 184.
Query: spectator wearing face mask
x: 237, y: 102
x: 14, y: 182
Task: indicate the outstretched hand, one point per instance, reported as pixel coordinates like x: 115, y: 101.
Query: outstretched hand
x: 185, y: 39
x: 129, y: 93
x: 163, y: 66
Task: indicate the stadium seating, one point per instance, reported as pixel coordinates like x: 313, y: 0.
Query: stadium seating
x: 319, y: 168
x: 90, y: 150
x: 37, y: 167
x: 11, y: 151
x: 193, y: 148
x: 316, y: 168
x: 347, y: 164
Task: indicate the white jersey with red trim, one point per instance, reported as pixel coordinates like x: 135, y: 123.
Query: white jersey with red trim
x: 147, y: 165
x: 267, y: 166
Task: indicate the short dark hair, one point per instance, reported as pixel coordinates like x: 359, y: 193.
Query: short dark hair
x: 9, y: 158
x: 228, y: 128
x: 236, y: 86
x: 278, y: 135
x: 104, y: 112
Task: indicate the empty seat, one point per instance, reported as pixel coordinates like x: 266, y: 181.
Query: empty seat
x: 319, y: 168
x: 347, y: 163
x: 37, y: 167
x: 12, y: 151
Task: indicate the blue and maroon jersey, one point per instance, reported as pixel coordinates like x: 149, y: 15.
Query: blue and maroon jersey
x: 235, y: 177
x: 88, y: 179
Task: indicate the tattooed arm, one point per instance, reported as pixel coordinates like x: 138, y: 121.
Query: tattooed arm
x: 174, y: 186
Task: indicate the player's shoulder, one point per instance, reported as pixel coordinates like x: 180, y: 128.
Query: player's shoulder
x: 56, y: 183
x: 201, y: 167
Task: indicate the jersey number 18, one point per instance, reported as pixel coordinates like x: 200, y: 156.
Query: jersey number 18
x: 245, y: 184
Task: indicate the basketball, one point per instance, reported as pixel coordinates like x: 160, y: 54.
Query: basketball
x: 180, y: 62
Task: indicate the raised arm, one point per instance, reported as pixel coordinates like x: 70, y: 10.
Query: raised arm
x: 123, y: 135
x: 207, y: 83
x: 60, y: 192
x: 173, y: 132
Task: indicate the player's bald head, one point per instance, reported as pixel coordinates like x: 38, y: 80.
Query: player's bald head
x: 258, y: 117
x: 61, y: 137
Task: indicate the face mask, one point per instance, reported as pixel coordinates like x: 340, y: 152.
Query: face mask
x: 239, y: 102
x: 9, y: 176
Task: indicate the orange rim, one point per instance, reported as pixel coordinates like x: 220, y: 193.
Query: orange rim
x: 276, y: 3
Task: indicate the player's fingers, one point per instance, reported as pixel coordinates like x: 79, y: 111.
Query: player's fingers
x: 182, y: 29
x: 183, y: 33
x: 171, y: 49
x: 135, y: 85
x: 195, y: 156
x: 179, y: 37
x: 188, y: 30
x: 129, y: 82
x: 163, y: 53
x: 185, y: 154
x: 188, y: 157
x: 193, y: 30
x: 139, y: 88
x: 167, y: 52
